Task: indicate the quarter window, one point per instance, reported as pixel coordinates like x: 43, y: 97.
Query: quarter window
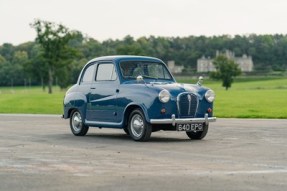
x: 106, y: 72
x: 89, y: 73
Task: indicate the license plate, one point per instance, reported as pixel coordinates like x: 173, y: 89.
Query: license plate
x: 190, y: 127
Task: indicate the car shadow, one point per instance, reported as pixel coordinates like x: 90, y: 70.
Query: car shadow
x: 124, y: 137
x: 115, y: 137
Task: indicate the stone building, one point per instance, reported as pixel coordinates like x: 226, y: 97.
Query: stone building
x: 175, y: 69
x: 245, y: 62
x: 205, y: 64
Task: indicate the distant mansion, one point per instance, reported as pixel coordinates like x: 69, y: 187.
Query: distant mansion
x: 175, y: 69
x: 245, y: 62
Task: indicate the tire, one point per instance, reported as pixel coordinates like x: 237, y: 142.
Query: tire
x: 139, y: 129
x: 126, y: 130
x: 199, y: 134
x: 77, y: 126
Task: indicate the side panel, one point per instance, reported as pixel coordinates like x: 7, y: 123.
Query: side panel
x: 137, y: 95
x: 75, y: 100
x: 102, y: 103
x: 102, y: 99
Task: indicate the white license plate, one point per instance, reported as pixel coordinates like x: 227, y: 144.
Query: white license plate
x: 190, y: 127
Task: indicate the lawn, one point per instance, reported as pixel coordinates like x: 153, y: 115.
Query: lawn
x: 248, y: 98
x: 31, y: 100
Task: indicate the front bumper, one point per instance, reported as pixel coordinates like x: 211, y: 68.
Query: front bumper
x: 174, y: 120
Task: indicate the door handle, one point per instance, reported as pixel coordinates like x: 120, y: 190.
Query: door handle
x: 93, y: 88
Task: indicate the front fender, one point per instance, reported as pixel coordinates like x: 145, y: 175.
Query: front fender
x: 134, y: 105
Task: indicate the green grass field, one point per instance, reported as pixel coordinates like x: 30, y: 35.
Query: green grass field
x: 31, y: 100
x: 248, y: 98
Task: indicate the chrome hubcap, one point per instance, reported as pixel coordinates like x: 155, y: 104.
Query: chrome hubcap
x: 137, y: 125
x: 77, y: 121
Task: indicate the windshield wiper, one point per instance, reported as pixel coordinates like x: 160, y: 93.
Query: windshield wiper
x: 149, y: 77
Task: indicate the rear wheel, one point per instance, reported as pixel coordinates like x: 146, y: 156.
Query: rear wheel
x: 138, y: 128
x: 199, y: 134
x: 76, y: 124
x: 126, y: 130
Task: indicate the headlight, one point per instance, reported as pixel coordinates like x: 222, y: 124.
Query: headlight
x: 164, y: 96
x: 209, y: 96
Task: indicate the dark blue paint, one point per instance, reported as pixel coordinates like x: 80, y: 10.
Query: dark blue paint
x: 105, y: 103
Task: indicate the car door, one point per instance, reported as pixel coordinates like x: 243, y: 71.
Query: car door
x: 87, y: 79
x: 103, y: 94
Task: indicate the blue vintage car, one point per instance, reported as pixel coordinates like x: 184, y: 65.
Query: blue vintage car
x: 139, y: 95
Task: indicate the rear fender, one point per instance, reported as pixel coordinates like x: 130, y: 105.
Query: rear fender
x: 73, y: 101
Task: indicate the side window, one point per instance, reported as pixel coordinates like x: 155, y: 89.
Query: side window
x: 106, y: 72
x: 89, y: 74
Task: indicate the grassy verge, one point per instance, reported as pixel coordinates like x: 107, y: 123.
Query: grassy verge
x: 31, y: 100
x: 248, y: 98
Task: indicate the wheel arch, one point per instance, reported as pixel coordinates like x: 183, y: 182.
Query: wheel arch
x: 132, y: 107
x: 70, y: 111
x: 74, y: 101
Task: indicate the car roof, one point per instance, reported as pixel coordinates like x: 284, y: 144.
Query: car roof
x: 124, y: 57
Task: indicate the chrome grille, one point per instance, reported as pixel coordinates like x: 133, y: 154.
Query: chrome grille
x: 187, y: 105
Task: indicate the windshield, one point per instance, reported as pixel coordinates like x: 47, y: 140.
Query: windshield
x: 153, y: 70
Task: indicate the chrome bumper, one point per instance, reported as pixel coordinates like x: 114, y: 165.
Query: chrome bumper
x: 174, y: 120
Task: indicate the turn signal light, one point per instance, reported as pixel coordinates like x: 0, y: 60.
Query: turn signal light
x: 209, y: 110
x: 162, y: 111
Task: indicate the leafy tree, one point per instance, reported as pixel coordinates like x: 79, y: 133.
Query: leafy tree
x: 3, y: 73
x: 20, y: 58
x: 91, y: 48
x: 54, y: 39
x: 36, y: 67
x: 129, y: 47
x: 226, y: 70
x: 7, y: 51
x: 2, y: 60
x: 269, y: 53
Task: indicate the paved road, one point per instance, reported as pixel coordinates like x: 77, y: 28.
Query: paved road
x: 40, y: 153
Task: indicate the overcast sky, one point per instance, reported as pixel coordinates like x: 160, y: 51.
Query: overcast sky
x: 104, y: 19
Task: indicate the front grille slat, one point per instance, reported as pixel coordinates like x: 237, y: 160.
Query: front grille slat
x: 187, y: 105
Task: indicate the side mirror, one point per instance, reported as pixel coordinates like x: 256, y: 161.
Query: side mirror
x: 200, y: 81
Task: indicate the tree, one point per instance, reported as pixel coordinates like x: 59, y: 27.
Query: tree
x: 226, y: 70
x: 269, y: 53
x: 2, y: 60
x: 36, y: 67
x: 129, y: 47
x: 54, y: 39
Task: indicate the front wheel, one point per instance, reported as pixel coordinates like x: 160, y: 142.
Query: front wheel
x: 138, y: 128
x: 199, y: 134
x: 76, y: 123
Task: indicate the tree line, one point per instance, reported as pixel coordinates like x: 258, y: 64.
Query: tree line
x: 28, y: 63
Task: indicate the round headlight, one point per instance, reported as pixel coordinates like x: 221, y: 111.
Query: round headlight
x: 210, y: 96
x: 164, y: 96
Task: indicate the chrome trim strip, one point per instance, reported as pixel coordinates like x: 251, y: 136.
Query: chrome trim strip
x: 174, y: 120
x: 189, y: 103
